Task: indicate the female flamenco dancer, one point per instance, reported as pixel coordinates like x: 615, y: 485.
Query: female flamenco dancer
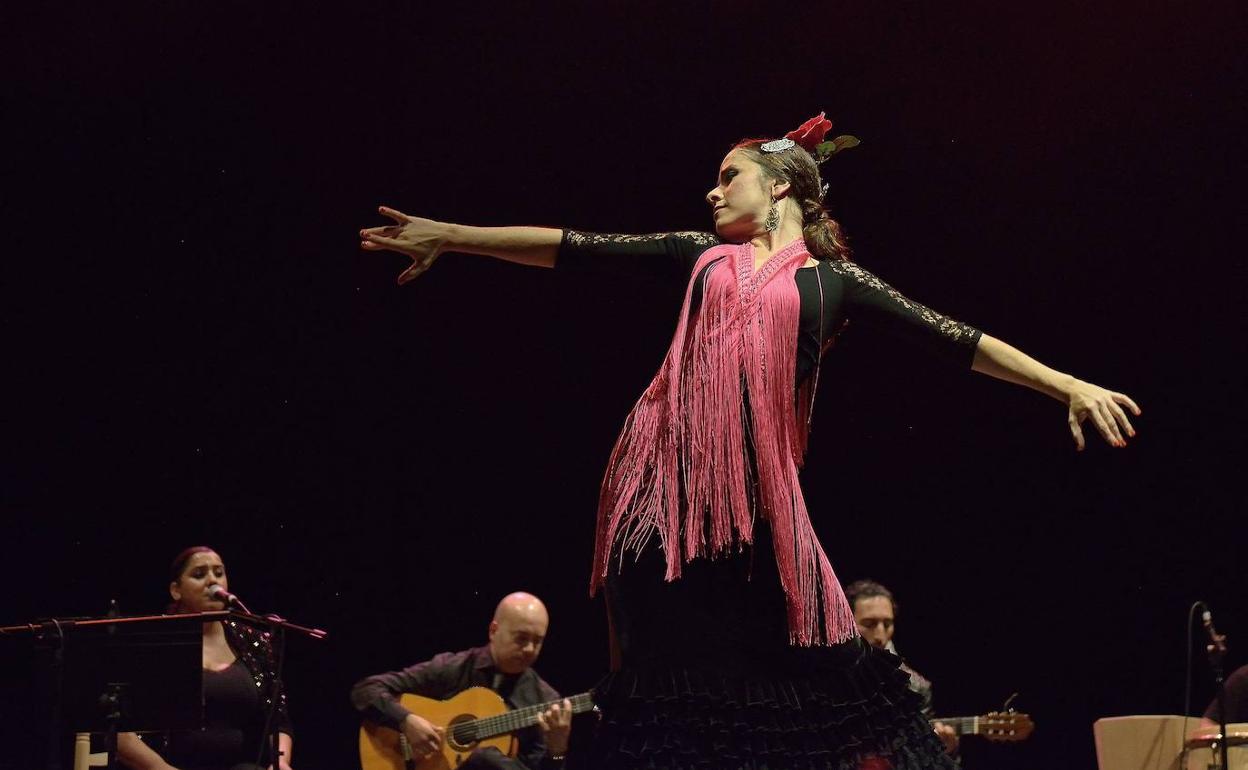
x: 734, y: 644
x: 238, y: 669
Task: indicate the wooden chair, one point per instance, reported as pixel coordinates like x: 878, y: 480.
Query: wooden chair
x: 83, y: 758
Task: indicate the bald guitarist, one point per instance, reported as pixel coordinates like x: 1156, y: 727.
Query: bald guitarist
x: 504, y: 665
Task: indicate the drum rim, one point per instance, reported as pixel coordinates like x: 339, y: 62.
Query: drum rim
x: 1236, y: 738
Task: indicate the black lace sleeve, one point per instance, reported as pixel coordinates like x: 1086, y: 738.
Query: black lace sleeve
x: 255, y: 650
x: 657, y: 256
x: 875, y: 303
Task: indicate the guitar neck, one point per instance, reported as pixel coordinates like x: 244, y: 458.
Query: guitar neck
x: 961, y: 725
x: 489, y: 727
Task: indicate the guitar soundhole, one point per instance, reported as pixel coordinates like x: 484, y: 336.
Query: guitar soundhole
x: 460, y: 742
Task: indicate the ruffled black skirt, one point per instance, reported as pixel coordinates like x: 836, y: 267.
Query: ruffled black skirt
x: 705, y: 679
x: 861, y: 716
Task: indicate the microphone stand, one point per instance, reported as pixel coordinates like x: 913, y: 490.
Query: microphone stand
x: 1216, y: 650
x: 276, y: 626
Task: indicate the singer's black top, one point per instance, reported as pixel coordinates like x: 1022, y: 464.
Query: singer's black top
x: 236, y: 703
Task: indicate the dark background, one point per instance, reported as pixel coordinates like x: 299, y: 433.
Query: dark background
x: 197, y: 352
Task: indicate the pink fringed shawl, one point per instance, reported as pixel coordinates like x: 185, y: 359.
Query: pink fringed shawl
x: 681, y: 468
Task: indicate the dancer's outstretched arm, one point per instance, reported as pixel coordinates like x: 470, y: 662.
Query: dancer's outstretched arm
x: 424, y: 240
x: 1084, y: 400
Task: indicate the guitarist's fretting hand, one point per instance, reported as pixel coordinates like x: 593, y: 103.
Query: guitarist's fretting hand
x: 556, y: 726
x: 947, y: 735
x: 422, y: 735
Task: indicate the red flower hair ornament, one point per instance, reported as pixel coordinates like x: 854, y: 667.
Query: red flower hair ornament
x: 810, y: 136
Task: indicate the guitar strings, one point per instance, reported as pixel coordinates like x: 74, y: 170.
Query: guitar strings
x: 466, y: 732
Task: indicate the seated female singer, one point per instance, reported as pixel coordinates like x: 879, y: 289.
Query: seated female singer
x: 238, y: 671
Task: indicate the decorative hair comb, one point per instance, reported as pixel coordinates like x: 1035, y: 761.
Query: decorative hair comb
x: 810, y: 136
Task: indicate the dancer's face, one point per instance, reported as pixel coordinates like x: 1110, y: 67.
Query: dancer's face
x: 741, y: 198
x: 202, y: 571
x: 874, y: 616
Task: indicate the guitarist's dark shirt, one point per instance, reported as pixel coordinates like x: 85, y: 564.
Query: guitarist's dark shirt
x: 449, y: 674
x: 921, y: 685
x: 1236, y: 698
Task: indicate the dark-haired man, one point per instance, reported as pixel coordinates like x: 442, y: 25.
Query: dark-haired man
x: 875, y: 612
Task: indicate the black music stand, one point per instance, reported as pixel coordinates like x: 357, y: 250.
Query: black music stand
x: 142, y: 675
x: 111, y: 675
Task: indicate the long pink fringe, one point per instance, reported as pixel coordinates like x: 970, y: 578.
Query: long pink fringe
x: 687, y: 432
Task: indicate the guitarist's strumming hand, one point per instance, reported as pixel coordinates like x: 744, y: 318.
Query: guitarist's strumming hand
x: 556, y: 726
x: 423, y: 736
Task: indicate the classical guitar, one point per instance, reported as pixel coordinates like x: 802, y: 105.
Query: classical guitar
x: 474, y: 719
x: 996, y: 726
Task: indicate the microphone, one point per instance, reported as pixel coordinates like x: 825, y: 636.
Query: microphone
x: 226, y: 598
x: 1217, y: 642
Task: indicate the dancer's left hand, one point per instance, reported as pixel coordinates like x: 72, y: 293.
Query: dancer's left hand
x: 1105, y: 409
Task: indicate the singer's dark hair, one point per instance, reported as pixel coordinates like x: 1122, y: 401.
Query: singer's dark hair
x: 179, y: 561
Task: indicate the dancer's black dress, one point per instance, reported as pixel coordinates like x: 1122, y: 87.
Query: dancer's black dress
x: 706, y: 677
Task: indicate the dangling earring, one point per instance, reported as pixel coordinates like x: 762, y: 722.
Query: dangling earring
x: 773, y: 217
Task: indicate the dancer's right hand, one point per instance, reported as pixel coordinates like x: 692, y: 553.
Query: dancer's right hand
x: 421, y: 239
x: 422, y: 735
